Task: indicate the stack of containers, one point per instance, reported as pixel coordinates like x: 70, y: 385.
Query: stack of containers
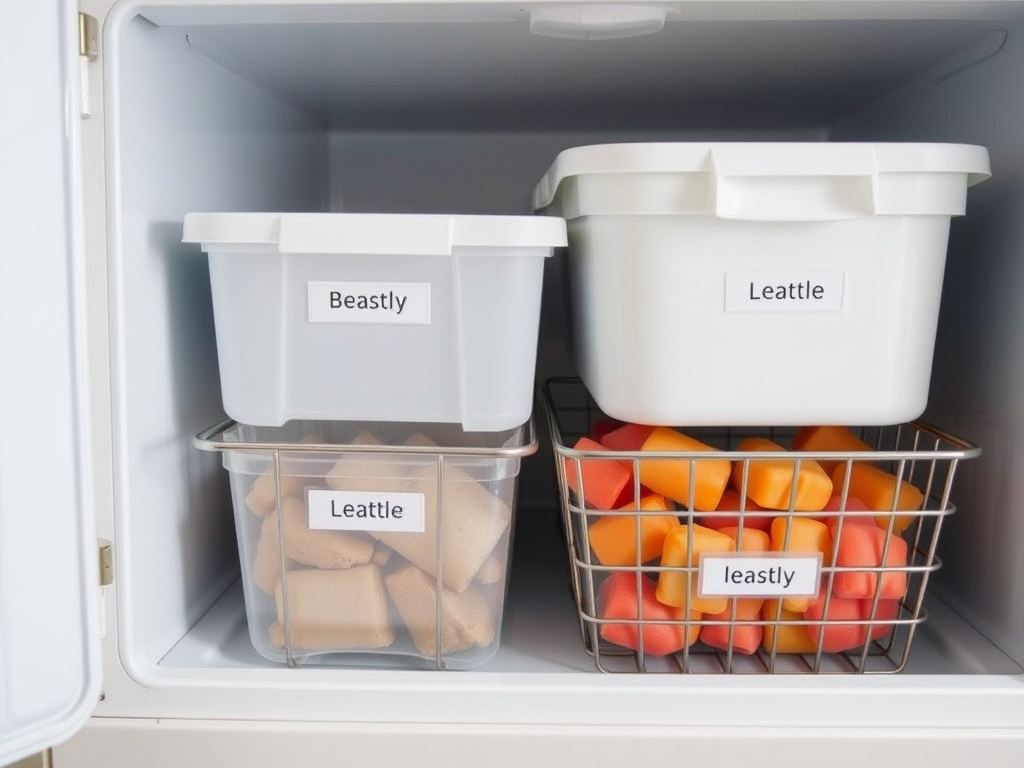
x: 752, y: 324
x: 377, y: 371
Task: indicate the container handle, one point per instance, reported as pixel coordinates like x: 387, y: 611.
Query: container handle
x: 777, y: 183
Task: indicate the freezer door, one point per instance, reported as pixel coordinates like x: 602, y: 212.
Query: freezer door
x: 49, y: 630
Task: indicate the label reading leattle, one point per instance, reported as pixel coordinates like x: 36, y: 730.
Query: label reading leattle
x: 366, y: 511
x: 742, y: 575
x: 784, y: 291
x: 395, y: 303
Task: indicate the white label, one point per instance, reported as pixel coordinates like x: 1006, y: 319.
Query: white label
x: 751, y: 575
x: 365, y: 511
x: 784, y: 291
x: 404, y: 303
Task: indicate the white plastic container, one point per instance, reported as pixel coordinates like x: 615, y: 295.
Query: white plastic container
x: 376, y: 317
x: 758, y: 283
x: 355, y: 538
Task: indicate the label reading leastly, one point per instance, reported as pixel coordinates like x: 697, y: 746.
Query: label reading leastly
x: 366, y: 511
x: 394, y: 303
x: 784, y: 291
x: 758, y: 575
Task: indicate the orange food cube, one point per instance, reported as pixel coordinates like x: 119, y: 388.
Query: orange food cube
x: 780, y: 637
x: 862, y: 544
x: 627, y: 437
x: 741, y: 510
x: 620, y: 597
x: 805, y: 536
x: 671, y: 476
x: 614, y: 537
x: 745, y: 629
x: 828, y: 438
x: 880, y: 491
x: 604, y: 480
x: 770, y: 481
x: 677, y: 552
x: 752, y: 540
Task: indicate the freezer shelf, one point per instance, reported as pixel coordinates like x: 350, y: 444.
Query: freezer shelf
x: 541, y: 633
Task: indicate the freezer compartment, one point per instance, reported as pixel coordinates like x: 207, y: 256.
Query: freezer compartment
x: 373, y: 544
x: 748, y: 550
x: 383, y: 110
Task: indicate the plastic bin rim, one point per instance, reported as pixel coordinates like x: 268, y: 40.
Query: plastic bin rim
x: 762, y: 158
x: 379, y: 233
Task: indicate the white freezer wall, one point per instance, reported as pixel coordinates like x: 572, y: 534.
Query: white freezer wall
x: 978, y: 373
x: 185, y: 126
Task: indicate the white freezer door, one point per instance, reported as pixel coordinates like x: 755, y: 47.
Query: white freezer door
x: 49, y: 631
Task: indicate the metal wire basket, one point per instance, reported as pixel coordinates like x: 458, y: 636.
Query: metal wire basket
x: 863, y: 610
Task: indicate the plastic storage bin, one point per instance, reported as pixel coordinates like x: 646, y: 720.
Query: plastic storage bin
x: 382, y: 545
x: 754, y: 283
x: 404, y: 317
x: 741, y: 588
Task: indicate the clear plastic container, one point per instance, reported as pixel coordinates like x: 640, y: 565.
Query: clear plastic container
x: 383, y: 545
x: 376, y: 317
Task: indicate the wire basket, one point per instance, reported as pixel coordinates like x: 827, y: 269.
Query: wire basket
x: 789, y: 589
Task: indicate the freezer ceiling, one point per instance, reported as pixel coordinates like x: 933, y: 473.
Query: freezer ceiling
x: 694, y: 74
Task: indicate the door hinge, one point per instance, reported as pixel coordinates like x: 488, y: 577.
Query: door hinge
x: 88, y: 50
x: 106, y: 560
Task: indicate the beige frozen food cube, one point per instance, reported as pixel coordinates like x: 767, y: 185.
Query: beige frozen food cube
x: 262, y: 496
x: 323, y: 549
x: 467, y: 620
x: 381, y: 554
x: 334, y: 610
x: 473, y: 522
x: 266, y: 565
x: 365, y: 471
x: 492, y: 571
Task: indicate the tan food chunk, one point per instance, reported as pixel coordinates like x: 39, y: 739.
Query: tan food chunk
x: 466, y: 617
x: 266, y: 565
x: 262, y: 496
x: 334, y: 610
x: 323, y: 549
x: 492, y: 571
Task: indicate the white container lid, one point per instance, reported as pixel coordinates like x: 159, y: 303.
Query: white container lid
x: 373, y: 233
x: 862, y: 167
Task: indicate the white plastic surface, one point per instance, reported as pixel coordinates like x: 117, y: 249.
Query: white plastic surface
x: 377, y: 317
x: 49, y: 632
x: 758, y: 284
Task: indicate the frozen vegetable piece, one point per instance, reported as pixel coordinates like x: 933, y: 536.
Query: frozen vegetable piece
x: 745, y: 629
x: 828, y: 438
x: 333, y: 610
x: 879, y: 490
x: 323, y: 549
x: 671, y: 476
x: 861, y: 543
x: 741, y: 512
x: 677, y: 551
x: 770, y: 481
x: 801, y: 535
x: 621, y: 597
x: 473, y: 521
x: 752, y: 540
x: 262, y: 496
x: 784, y: 631
x: 467, y: 619
x: 613, y: 538
x: 628, y: 437
x: 602, y: 427
x: 604, y: 479
x: 834, y: 633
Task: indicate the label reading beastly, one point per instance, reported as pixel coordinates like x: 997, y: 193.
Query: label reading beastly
x: 394, y: 303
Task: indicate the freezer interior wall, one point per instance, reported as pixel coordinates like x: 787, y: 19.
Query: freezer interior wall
x: 278, y: 117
